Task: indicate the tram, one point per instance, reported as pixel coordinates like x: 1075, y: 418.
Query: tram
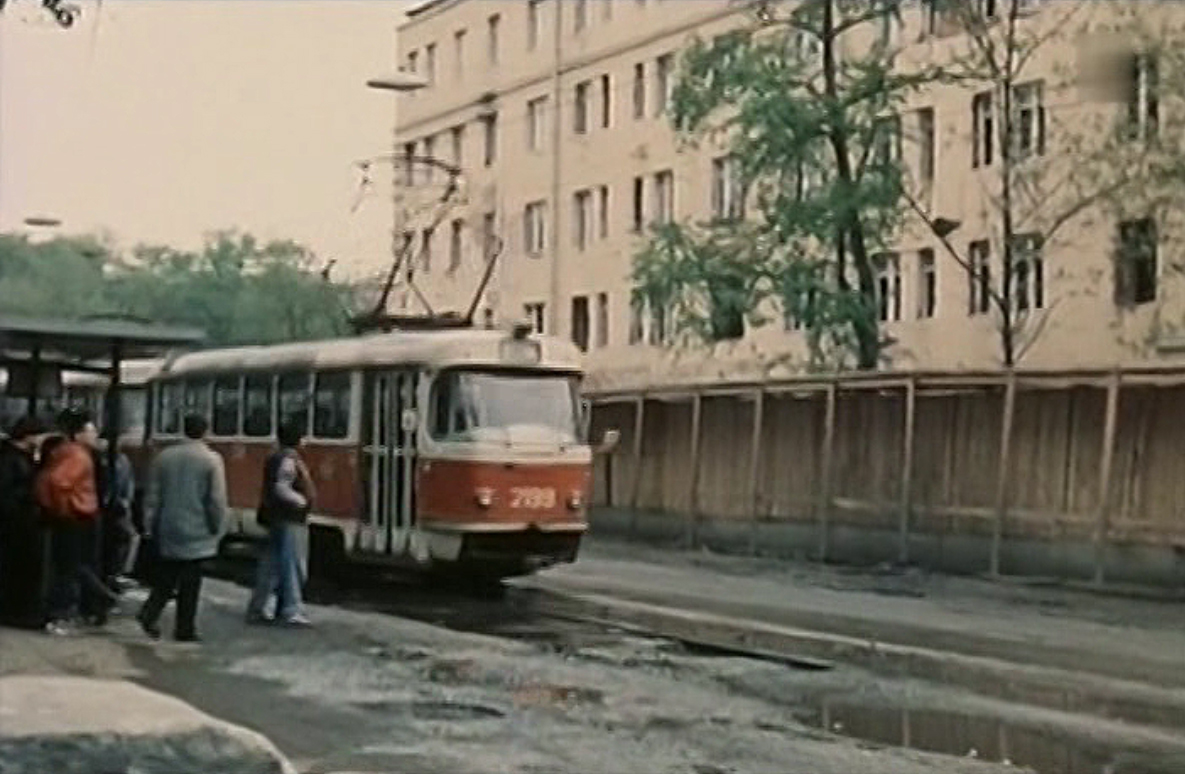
x: 458, y: 449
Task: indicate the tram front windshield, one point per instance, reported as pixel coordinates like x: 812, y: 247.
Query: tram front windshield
x: 502, y: 406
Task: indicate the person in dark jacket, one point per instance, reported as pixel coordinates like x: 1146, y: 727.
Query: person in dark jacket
x: 22, y: 538
x: 283, y: 509
x: 185, y: 517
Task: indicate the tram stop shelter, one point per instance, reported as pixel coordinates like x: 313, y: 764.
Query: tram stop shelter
x: 35, y: 352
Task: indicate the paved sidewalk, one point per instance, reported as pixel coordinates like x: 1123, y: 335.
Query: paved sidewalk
x: 1119, y: 638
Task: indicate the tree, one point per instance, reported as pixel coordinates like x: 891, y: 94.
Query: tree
x: 236, y: 289
x: 1050, y: 161
x: 804, y: 101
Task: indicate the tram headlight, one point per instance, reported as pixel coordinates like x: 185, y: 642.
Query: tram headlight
x: 576, y: 501
x: 484, y: 496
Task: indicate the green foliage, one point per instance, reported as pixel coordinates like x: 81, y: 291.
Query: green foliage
x: 237, y: 290
x: 818, y: 150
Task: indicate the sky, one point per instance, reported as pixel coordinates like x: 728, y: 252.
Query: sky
x: 162, y: 120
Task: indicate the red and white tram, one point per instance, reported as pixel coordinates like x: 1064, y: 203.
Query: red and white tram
x: 455, y: 448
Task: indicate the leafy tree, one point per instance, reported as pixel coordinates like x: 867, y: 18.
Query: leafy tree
x: 804, y: 101
x: 237, y: 290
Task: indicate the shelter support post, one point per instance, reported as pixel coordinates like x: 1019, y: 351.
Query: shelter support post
x: 911, y: 395
x: 825, y: 485
x: 1004, y: 463
x: 1103, y: 516
x: 753, y: 498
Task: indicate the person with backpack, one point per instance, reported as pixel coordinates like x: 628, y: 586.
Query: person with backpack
x: 66, y: 490
x: 284, y: 507
x: 185, y: 517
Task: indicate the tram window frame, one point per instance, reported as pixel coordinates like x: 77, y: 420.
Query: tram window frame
x: 223, y: 387
x: 203, y: 389
x: 340, y: 393
x: 293, y: 384
x: 253, y: 384
x: 168, y: 417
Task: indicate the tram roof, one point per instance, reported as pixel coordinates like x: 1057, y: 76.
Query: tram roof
x: 440, y: 348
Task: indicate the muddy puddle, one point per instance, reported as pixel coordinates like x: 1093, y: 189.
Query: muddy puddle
x: 1046, y: 751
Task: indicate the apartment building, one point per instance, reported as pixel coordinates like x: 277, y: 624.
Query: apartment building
x: 557, y: 111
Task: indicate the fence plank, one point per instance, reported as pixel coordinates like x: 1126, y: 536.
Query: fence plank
x: 825, y: 482
x: 1110, y: 421
x: 693, y: 479
x: 907, y: 470
x: 1002, y: 473
x: 636, y: 494
x: 754, y: 493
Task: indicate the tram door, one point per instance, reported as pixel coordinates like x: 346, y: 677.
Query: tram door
x: 388, y: 465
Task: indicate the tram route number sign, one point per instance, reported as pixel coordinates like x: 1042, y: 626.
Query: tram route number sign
x: 532, y: 498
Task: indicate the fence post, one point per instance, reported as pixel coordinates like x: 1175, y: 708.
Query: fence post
x: 693, y: 481
x: 1103, y: 517
x: 824, y: 503
x: 907, y: 469
x: 636, y: 494
x: 754, y: 493
x: 1002, y: 473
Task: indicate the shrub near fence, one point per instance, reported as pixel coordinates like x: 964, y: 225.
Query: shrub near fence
x: 1074, y: 475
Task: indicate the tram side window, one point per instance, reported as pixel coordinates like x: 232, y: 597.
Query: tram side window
x: 198, y: 397
x: 226, y: 406
x: 295, y: 401
x: 331, y: 406
x: 257, y: 406
x: 168, y: 414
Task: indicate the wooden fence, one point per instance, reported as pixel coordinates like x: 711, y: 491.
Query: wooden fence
x: 1090, y: 458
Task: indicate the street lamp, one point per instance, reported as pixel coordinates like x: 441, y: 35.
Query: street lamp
x: 401, y: 81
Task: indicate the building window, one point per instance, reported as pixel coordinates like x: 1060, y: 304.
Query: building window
x: 802, y: 316
x: 886, y: 142
x: 580, y: 15
x: 580, y: 322
x: 606, y: 101
x: 1136, y: 265
x: 1028, y: 122
x: 535, y: 315
x: 458, y: 140
x: 1028, y: 273
x: 983, y: 128
x: 664, y: 197
x: 927, y: 284
x: 534, y: 23
x: 582, y: 218
x: 536, y: 127
x: 459, y: 55
x: 426, y: 248
x: 455, y: 245
x: 930, y: 14
x: 1143, y: 97
x: 493, y: 44
x: 649, y: 323
x: 728, y: 196
x: 807, y: 46
x: 888, y: 286
x: 927, y: 149
x: 602, y: 320
x: 663, y: 70
x: 640, y: 90
x: 489, y: 235
x: 430, y: 63
x: 580, y: 109
x: 639, y: 210
x: 886, y: 25
x: 637, y: 320
x: 490, y: 123
x: 413, y: 61
x: 603, y: 211
x: 535, y: 228
x: 987, y: 9
x: 979, y: 277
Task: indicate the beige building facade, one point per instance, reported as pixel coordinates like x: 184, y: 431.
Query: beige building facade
x: 557, y: 112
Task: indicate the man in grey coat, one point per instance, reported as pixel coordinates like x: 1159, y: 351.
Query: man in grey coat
x: 185, y: 516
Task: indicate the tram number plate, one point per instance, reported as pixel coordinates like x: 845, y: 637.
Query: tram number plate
x: 533, y: 498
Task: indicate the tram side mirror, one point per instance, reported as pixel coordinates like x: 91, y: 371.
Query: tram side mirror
x: 609, y: 441
x: 409, y: 421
